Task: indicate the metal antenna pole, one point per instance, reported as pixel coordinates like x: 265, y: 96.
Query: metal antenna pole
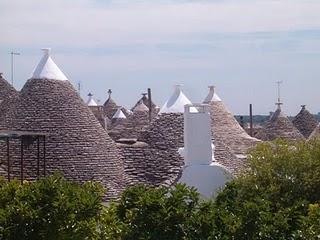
x: 279, y: 103
x: 279, y: 90
x: 12, y: 65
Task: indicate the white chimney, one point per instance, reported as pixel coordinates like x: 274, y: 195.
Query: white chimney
x: 198, y: 147
x: 200, y: 170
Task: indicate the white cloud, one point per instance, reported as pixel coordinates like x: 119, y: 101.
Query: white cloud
x: 86, y: 23
x: 159, y: 43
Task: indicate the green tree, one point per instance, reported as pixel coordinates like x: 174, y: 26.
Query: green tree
x: 51, y: 208
x: 163, y: 213
x: 271, y: 199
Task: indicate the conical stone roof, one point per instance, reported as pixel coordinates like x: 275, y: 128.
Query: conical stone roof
x: 76, y: 144
x: 145, y: 101
x: 226, y: 128
x: 8, y: 96
x: 279, y: 126
x: 110, y: 107
x: 91, y: 102
x: 137, y: 122
x: 305, y: 122
x: 140, y: 107
x: 6, y: 90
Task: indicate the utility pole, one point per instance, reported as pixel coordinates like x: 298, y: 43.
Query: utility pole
x: 251, y: 120
x: 79, y: 88
x: 279, y: 103
x: 12, y: 65
x: 150, y: 104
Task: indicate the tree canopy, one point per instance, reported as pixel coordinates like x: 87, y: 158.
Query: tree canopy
x: 277, y: 197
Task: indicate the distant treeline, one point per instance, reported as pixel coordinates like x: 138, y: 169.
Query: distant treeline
x: 260, y: 119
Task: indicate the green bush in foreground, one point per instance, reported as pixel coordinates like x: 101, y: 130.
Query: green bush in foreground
x: 52, y: 208
x: 277, y: 198
x: 274, y: 199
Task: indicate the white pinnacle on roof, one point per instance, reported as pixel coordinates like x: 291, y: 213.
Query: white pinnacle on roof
x: 176, y: 102
x: 212, y: 96
x: 91, y: 102
x: 141, y: 107
x: 47, y: 69
x: 119, y: 114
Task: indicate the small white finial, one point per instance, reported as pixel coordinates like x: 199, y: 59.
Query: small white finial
x: 46, y: 51
x: 212, y: 96
x: 178, y: 87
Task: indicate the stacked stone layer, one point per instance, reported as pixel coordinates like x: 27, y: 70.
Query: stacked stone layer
x: 76, y: 143
x: 279, y: 126
x: 225, y: 128
x: 305, y: 122
x: 8, y: 95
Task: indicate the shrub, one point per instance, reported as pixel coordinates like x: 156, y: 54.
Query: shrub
x: 51, y: 208
x: 271, y: 200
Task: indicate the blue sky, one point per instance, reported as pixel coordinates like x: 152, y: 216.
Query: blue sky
x: 242, y: 47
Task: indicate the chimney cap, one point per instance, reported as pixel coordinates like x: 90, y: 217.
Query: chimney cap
x: 46, y: 51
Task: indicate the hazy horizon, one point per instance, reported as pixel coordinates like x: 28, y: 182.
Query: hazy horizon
x: 241, y: 47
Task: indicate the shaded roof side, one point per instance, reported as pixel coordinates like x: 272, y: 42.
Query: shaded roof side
x: 151, y: 166
x: 135, y: 124
x: 315, y: 133
x: 224, y: 155
x: 47, y: 69
x: 225, y: 127
x: 8, y: 97
x: 7, y: 105
x: 6, y: 90
x: 305, y: 122
x: 279, y: 126
x: 145, y: 100
x: 110, y: 107
x: 165, y: 131
x: 77, y: 145
x: 140, y: 107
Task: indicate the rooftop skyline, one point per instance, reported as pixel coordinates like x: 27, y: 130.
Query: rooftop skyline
x: 241, y: 47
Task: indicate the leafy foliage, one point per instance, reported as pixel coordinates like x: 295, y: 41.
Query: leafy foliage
x: 160, y: 213
x: 51, y: 208
x: 271, y: 200
x: 278, y: 198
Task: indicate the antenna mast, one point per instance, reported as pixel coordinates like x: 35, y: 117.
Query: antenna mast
x: 79, y: 87
x: 279, y: 103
